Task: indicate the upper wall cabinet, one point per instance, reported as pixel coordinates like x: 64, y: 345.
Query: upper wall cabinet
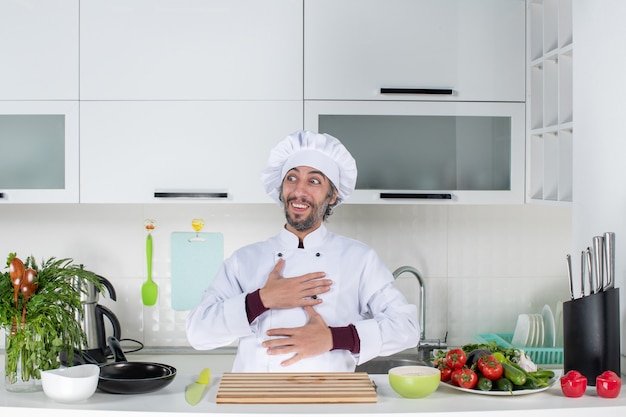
x: 39, y: 50
x: 414, y: 50
x: 180, y: 151
x: 39, y: 148
x: 191, y: 50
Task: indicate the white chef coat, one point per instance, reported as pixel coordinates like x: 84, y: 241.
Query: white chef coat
x: 362, y: 294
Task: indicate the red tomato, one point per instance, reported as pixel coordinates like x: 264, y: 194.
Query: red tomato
x: 490, y: 367
x: 456, y: 358
x: 573, y: 384
x: 608, y: 384
x: 464, y: 378
x: 446, y: 373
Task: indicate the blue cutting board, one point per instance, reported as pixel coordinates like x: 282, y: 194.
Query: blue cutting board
x: 195, y: 260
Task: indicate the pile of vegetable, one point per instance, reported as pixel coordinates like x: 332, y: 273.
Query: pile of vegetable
x: 490, y: 367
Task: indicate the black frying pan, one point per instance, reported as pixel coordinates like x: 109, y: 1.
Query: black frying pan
x: 123, y: 377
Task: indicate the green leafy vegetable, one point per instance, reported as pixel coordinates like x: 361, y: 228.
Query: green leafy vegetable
x: 52, y: 317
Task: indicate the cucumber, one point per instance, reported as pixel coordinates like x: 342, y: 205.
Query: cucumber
x: 484, y: 384
x: 503, y: 384
x: 531, y: 383
x: 543, y: 373
x: 513, y: 374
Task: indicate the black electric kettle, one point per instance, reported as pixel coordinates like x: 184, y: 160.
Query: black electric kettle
x: 95, y: 350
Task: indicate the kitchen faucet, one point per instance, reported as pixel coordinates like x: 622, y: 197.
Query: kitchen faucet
x: 425, y: 347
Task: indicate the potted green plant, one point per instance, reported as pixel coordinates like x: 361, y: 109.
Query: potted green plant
x: 40, y: 310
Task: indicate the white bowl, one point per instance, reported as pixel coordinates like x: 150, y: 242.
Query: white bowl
x: 76, y: 383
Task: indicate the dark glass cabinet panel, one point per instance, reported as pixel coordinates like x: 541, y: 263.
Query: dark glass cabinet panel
x: 34, y: 151
x: 426, y: 152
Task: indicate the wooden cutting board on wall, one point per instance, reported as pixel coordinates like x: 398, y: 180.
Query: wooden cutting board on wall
x: 195, y: 260
x: 296, y: 388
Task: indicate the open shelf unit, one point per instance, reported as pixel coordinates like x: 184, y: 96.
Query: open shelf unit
x: 549, y: 101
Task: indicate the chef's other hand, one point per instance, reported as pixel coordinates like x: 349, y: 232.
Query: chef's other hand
x: 312, y: 339
x: 281, y: 292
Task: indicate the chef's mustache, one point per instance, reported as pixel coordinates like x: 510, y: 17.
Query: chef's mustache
x: 303, y: 200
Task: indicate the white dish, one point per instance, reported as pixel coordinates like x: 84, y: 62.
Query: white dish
x: 552, y: 381
x: 540, y: 331
x: 549, y: 327
x: 558, y: 319
x: 533, y: 329
x: 522, y: 332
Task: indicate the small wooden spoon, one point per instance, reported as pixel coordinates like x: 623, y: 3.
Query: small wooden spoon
x: 28, y: 288
x: 16, y: 272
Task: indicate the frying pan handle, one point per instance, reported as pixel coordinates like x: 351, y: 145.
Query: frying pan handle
x: 116, y: 349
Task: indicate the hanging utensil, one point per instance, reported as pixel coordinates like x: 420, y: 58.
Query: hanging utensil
x: 149, y: 289
x: 609, y: 260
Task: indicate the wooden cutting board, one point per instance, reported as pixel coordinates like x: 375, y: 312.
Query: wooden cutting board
x: 295, y: 388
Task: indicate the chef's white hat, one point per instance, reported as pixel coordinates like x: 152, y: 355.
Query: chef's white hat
x: 316, y: 150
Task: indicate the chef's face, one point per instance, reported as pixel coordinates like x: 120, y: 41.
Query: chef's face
x: 306, y: 193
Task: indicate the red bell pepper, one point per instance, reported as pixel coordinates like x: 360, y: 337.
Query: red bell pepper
x: 573, y: 384
x: 608, y: 384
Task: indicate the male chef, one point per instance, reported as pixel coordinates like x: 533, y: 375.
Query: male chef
x: 305, y: 300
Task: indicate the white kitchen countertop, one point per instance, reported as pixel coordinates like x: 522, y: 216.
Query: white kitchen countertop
x: 170, y: 401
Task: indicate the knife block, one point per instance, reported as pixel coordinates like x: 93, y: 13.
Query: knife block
x: 591, y: 334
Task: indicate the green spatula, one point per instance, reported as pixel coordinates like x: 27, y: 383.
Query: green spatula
x: 149, y: 289
x: 195, y: 391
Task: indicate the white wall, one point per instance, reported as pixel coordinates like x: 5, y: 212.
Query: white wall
x: 600, y: 128
x: 483, y: 265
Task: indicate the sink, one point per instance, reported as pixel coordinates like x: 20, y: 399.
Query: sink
x: 382, y: 364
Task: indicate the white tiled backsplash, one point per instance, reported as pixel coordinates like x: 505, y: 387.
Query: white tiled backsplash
x: 483, y: 265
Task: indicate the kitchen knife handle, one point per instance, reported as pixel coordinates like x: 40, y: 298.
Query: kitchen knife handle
x: 432, y: 196
x: 609, y: 260
x: 191, y: 194
x: 431, y: 91
x: 598, y: 258
x: 570, y: 278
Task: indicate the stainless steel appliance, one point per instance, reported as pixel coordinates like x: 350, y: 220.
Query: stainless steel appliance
x: 95, y: 326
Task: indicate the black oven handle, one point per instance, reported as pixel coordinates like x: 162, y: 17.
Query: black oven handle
x: 408, y: 196
x: 431, y: 91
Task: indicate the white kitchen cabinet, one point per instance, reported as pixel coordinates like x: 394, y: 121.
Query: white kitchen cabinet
x: 191, y: 50
x: 355, y: 48
x: 180, y: 151
x: 429, y: 152
x: 39, y: 148
x: 549, y: 103
x: 39, y: 50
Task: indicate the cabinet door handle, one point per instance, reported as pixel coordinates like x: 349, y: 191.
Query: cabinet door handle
x: 2, y: 196
x: 440, y: 91
x: 433, y: 196
x: 191, y: 194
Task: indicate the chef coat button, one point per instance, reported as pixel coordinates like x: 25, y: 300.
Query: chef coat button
x: 280, y: 255
x: 318, y: 254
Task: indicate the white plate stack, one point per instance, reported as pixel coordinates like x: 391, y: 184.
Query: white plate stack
x: 535, y: 330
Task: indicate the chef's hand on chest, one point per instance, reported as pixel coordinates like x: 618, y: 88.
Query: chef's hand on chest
x: 298, y: 291
x: 312, y: 339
